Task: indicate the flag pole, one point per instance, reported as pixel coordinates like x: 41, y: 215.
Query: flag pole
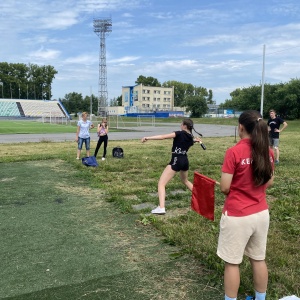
x: 263, y: 83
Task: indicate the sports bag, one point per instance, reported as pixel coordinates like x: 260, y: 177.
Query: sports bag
x: 90, y: 161
x: 118, y: 152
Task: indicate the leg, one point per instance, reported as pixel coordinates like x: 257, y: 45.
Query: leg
x: 276, y: 153
x: 276, y: 149
x: 80, y: 142
x: 260, y: 275
x: 231, y: 280
x: 87, y: 146
x: 105, y: 138
x: 165, y: 177
x: 97, y: 147
x: 185, y: 181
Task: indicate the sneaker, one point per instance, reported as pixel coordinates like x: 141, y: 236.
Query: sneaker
x: 103, y: 158
x: 276, y: 162
x: 77, y: 157
x: 158, y: 211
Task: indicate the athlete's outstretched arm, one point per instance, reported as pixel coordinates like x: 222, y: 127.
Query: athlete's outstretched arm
x: 159, y: 137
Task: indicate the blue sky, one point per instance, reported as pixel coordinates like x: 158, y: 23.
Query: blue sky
x: 214, y: 44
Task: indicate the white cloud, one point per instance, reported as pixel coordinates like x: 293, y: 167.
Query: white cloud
x: 85, y: 59
x: 45, y: 55
x: 124, y: 59
x: 59, y: 20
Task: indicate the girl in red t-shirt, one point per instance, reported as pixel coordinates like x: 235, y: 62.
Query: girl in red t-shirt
x: 247, y: 172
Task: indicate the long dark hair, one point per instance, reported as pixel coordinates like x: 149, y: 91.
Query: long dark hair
x: 258, y: 130
x: 190, y: 126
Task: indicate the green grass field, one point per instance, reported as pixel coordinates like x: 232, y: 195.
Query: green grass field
x: 64, y: 225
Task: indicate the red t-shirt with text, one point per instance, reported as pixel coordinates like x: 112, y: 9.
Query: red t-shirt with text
x: 244, y: 197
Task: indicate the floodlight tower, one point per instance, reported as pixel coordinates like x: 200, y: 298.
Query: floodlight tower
x: 101, y: 28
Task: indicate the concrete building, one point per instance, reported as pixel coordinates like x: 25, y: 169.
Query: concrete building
x: 147, y: 99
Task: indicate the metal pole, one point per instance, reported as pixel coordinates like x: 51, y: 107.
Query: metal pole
x: 91, y: 104
x: 263, y: 84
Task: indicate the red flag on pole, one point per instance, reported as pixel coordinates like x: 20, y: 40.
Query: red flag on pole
x: 203, y: 196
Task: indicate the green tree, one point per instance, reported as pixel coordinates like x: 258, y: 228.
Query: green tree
x: 283, y: 97
x: 181, y: 91
x: 73, y: 102
x: 147, y: 81
x: 26, y: 81
x: 116, y: 101
x: 197, y: 105
x: 210, y: 97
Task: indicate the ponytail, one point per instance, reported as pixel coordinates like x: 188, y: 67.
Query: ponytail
x: 258, y: 129
x: 190, y: 126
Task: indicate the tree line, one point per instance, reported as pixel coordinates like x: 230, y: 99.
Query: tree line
x: 283, y: 97
x: 21, y: 81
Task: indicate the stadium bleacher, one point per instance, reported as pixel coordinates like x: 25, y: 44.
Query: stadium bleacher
x: 32, y: 108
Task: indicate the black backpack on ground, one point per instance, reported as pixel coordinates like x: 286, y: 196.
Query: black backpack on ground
x: 118, y: 152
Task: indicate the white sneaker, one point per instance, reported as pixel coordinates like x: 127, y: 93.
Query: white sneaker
x: 103, y: 158
x: 77, y: 157
x: 158, y: 211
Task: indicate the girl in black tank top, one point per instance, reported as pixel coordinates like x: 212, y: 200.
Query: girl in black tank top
x: 182, y: 141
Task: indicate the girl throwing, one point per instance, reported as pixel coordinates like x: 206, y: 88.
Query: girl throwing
x: 182, y: 141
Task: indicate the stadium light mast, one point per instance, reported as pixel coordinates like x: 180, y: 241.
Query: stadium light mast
x: 102, y: 27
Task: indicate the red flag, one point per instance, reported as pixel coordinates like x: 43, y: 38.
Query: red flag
x: 203, y: 196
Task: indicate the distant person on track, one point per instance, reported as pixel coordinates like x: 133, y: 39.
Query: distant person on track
x: 247, y: 172
x: 83, y: 134
x: 102, y: 131
x: 182, y: 141
x: 274, y: 125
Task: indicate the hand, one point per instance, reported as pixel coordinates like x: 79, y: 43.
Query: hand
x: 276, y: 130
x: 197, y: 140
x: 144, y: 139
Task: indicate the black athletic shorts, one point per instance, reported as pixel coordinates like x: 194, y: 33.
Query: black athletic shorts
x: 179, y: 163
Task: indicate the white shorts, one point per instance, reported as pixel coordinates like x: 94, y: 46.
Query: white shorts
x: 241, y: 236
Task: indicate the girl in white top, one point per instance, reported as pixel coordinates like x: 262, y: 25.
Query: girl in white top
x: 83, y: 134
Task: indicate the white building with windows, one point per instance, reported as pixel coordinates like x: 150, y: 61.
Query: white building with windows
x: 147, y: 99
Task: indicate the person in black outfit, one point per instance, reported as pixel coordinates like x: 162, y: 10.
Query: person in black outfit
x: 273, y: 126
x: 102, y: 131
x: 182, y: 141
